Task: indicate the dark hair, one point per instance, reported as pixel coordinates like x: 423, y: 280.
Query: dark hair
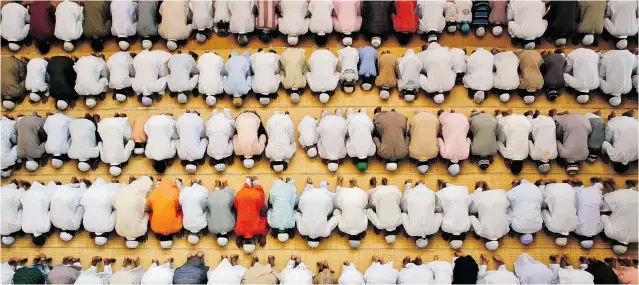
x: 97, y: 44
x: 265, y: 36
x: 403, y: 38
x: 39, y: 240
x: 515, y: 166
x: 164, y: 237
x: 43, y: 46
x: 321, y: 40
x: 620, y: 167
x: 160, y: 165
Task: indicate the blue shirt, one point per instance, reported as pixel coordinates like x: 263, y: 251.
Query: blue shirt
x: 237, y: 76
x: 367, y: 61
x: 283, y: 199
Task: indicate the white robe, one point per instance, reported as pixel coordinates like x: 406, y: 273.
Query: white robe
x: 191, y: 143
x: 202, y: 11
x: 293, y: 20
x: 322, y: 75
x: 99, y: 215
x: 620, y: 144
x: 615, y: 72
x: 418, y: 211
x: 210, y: 67
x: 459, y: 60
x: 442, y: 271
x: 438, y: 74
x: 241, y: 16
x: 314, y: 207
x: 432, y: 16
x: 66, y: 210
x: 36, y: 217
x: 589, y: 203
x: 221, y: 12
x: 308, y: 132
x: 183, y: 73
x: 479, y: 74
x: 124, y: 18
x: 15, y: 22
x: 331, y: 131
x: 582, y: 70
x: 281, y: 137
x: 266, y: 70
x: 506, y: 71
x: 491, y: 206
x: 621, y: 224
x: 6, y: 272
x: 121, y: 70
x: 512, y: 136
x: 321, y: 21
x: 9, y: 140
x: 500, y: 276
x: 348, y: 58
x: 37, y: 77
x: 621, y: 18
x: 408, y: 73
x: 158, y: 274
x: 57, y: 128
x: 116, y: 145
x: 384, y: 211
x: 150, y: 72
x: 525, y: 201
x: 92, y: 76
x: 543, y: 146
x: 220, y: 129
x: 353, y: 203
x: 378, y: 273
x: 299, y: 274
x: 161, y: 137
x: 531, y: 271
x: 69, y: 18
x: 11, y: 208
x: 225, y: 273
x: 561, y: 213
x: 415, y: 274
x: 194, y: 206
x: 453, y: 202
x: 570, y: 275
x: 464, y: 11
x: 525, y: 19
x: 359, y: 142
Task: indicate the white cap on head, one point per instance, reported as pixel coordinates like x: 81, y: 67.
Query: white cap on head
x: 278, y: 167
x: 422, y: 168
x: 193, y: 239
x: 34, y: 97
x: 505, y: 97
x: 138, y: 150
x: 384, y: 94
x: 249, y: 163
x: 376, y: 42
x: 313, y: 244
x: 349, y: 89
x: 32, y: 165
x: 560, y: 42
x: 583, y: 98
x: 432, y: 38
x: 83, y: 166
x: 14, y: 46
x: 409, y: 97
x: 181, y: 98
x: 115, y: 170
x: 120, y: 97
x: 200, y: 38
x: 132, y: 244
x: 588, y: 40
x: 332, y: 166
x: 171, y: 45
x: 147, y: 101
x: 390, y: 239
x: 561, y: 241
x: 324, y: 98
x: 191, y: 168
x: 220, y: 167
x: 124, y: 45
x: 497, y: 30
x: 295, y: 97
x: 265, y: 100
x: 492, y: 245
x: 90, y: 102
x: 456, y: 244
x: 62, y: 105
x: 587, y: 243
x: 57, y: 163
x: 391, y: 166
x: 282, y: 237
x: 480, y: 32
x: 311, y: 152
x: 65, y: 236
x: 367, y: 86
x: 347, y: 41
x: 100, y: 240
x: 354, y: 243
x: 439, y: 98
x: 292, y: 40
x: 622, y: 44
x: 222, y: 241
x: 619, y: 248
x: 6, y: 173
x: 615, y: 101
x: 8, y: 240
x: 421, y: 242
x: 479, y: 96
x: 529, y: 99
x: 147, y: 44
x: 9, y: 105
x: 451, y: 28
x: 210, y: 100
x: 68, y: 46
x: 166, y: 244
x: 530, y: 45
x: 248, y: 248
x: 453, y: 169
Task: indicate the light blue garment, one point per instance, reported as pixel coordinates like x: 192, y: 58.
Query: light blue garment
x: 367, y: 61
x: 237, y: 76
x: 282, y: 199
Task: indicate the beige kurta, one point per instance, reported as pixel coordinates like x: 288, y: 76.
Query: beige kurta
x: 293, y: 62
x: 175, y: 15
x: 129, y: 203
x: 261, y: 274
x: 386, y: 64
x: 423, y: 136
x: 529, y: 63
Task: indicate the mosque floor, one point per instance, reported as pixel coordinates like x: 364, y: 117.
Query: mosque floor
x: 335, y: 249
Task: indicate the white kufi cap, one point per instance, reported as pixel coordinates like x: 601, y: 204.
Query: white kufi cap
x: 8, y: 240
x: 384, y: 94
x: 354, y: 243
x: 115, y: 170
x: 120, y: 97
x: 409, y: 97
x: 583, y: 98
x: 324, y: 98
x: 292, y: 40
x: 587, y: 244
x: 492, y: 245
x: 9, y: 105
x: 6, y: 173
x: 62, y: 105
x: 181, y: 98
x: 193, y: 239
x: 166, y: 244
x: 497, y: 30
x: 391, y: 166
x: 65, y: 236
x: 100, y: 240
x: 479, y: 96
x: 456, y: 244
x: 588, y: 40
x: 278, y: 168
x: 367, y: 86
x: 529, y: 99
x: 453, y: 169
x: 211, y: 100
x: 124, y: 45
x: 14, y: 46
x: 439, y: 98
x: 68, y: 46
x: 171, y: 45
x: 311, y: 152
x: 619, y: 249
x: 191, y: 168
x: 222, y: 241
x: 57, y: 163
x: 132, y: 244
x: 220, y: 167
x: 34, y: 97
x: 332, y: 166
x: 32, y: 165
x: 295, y: 97
x: 505, y: 97
x: 421, y: 242
x: 249, y: 248
x: 313, y: 244
x: 249, y: 163
x: 147, y: 44
x: 622, y: 44
x: 390, y: 239
x: 147, y: 101
x: 265, y: 100
x: 282, y: 237
x: 561, y: 241
x: 347, y: 41
x: 422, y: 168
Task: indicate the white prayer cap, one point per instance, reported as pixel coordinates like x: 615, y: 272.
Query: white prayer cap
x: 265, y: 100
x: 278, y: 167
x: 391, y: 166
x: 390, y: 239
x: 32, y: 165
x: 505, y: 97
x: 497, y: 30
x: 222, y: 241
x: 14, y: 46
x: 347, y: 41
x: 332, y: 166
x: 132, y: 244
x: 583, y: 99
x: 120, y: 97
x: 57, y: 163
x: 588, y: 40
x: 115, y: 171
x: 384, y: 94
x: 456, y: 244
x: 561, y: 241
x: 587, y: 244
x: 453, y: 169
x: 529, y: 99
x: 220, y: 167
x: 90, y: 102
x: 211, y: 100
x: 409, y: 97
x: 324, y: 98
x: 249, y: 163
x: 100, y: 240
x: 311, y: 152
x: 479, y: 96
x: 9, y: 105
x: 166, y: 244
x: 171, y: 45
x: 8, y: 240
x: 354, y: 243
x: 432, y: 38
x: 147, y: 101
x: 147, y: 44
x: 242, y: 40
x: 191, y: 168
x: 560, y: 42
x: 65, y: 236
x: 34, y: 97
x: 530, y: 45
x: 6, y: 173
x: 295, y: 97
x: 439, y: 98
x: 181, y: 98
x: 367, y: 86
x: 313, y: 244
x: 282, y: 237
x: 543, y: 168
x: 619, y: 248
x: 138, y: 150
x: 622, y: 44
x: 200, y: 38
x: 68, y: 46
x: 124, y: 45
x: 421, y: 242
x: 349, y: 89
x: 452, y: 28
x: 480, y: 32
x: 492, y: 245
x: 615, y: 100
x: 376, y: 42
x: 292, y: 40
x: 193, y: 239
x: 249, y: 248
x: 62, y: 105
x: 422, y: 168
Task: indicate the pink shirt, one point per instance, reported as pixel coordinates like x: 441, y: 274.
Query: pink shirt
x: 454, y: 144
x: 347, y: 17
x: 247, y: 142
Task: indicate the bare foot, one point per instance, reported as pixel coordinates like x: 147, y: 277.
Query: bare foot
x: 309, y: 181
x: 271, y: 260
x: 458, y: 254
x: 95, y: 260
x: 108, y: 260
x: 373, y: 181
x: 406, y: 260
x: 384, y: 181
x: 436, y: 257
x: 375, y: 258
x: 168, y: 260
x: 156, y: 261
x: 255, y: 260
x: 484, y: 259
x: 498, y: 259
x: 233, y: 259
x: 408, y: 181
x: 347, y: 263
x: 340, y: 180
x: 353, y: 182
x: 418, y: 260
x: 200, y: 254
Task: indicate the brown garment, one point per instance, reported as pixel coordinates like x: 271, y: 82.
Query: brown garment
x: 498, y: 12
x: 138, y: 135
x: 31, y: 137
x: 14, y: 72
x: 592, y: 13
x: 423, y: 136
x: 391, y: 137
x: 325, y: 276
x: 529, y: 63
x: 62, y: 274
x: 386, y: 64
x: 261, y: 274
x: 97, y: 19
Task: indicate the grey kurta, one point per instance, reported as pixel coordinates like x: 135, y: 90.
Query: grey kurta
x: 598, y: 133
x: 147, y: 18
x: 221, y: 218
x: 30, y: 131
x: 484, y: 128
x: 572, y: 136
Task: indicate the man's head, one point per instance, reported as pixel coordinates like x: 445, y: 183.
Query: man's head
x: 160, y: 165
x: 620, y: 167
x: 516, y: 166
x: 97, y: 44
x: 39, y: 240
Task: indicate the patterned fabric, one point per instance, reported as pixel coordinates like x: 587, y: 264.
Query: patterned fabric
x: 325, y: 276
x: 190, y: 274
x: 29, y: 275
x: 266, y: 18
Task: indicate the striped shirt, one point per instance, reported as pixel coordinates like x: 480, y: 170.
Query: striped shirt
x: 266, y: 18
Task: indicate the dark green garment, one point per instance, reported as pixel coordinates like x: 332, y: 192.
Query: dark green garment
x: 147, y: 18
x: 97, y: 19
x: 28, y: 275
x: 14, y: 72
x: 484, y: 129
x: 598, y: 133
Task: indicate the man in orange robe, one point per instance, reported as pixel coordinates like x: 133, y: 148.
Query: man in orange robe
x: 166, y: 213
x: 251, y: 215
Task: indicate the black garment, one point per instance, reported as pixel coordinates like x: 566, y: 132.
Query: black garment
x: 465, y: 271
x: 553, y: 71
x: 376, y: 17
x: 62, y: 78
x: 562, y: 18
x: 602, y: 273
